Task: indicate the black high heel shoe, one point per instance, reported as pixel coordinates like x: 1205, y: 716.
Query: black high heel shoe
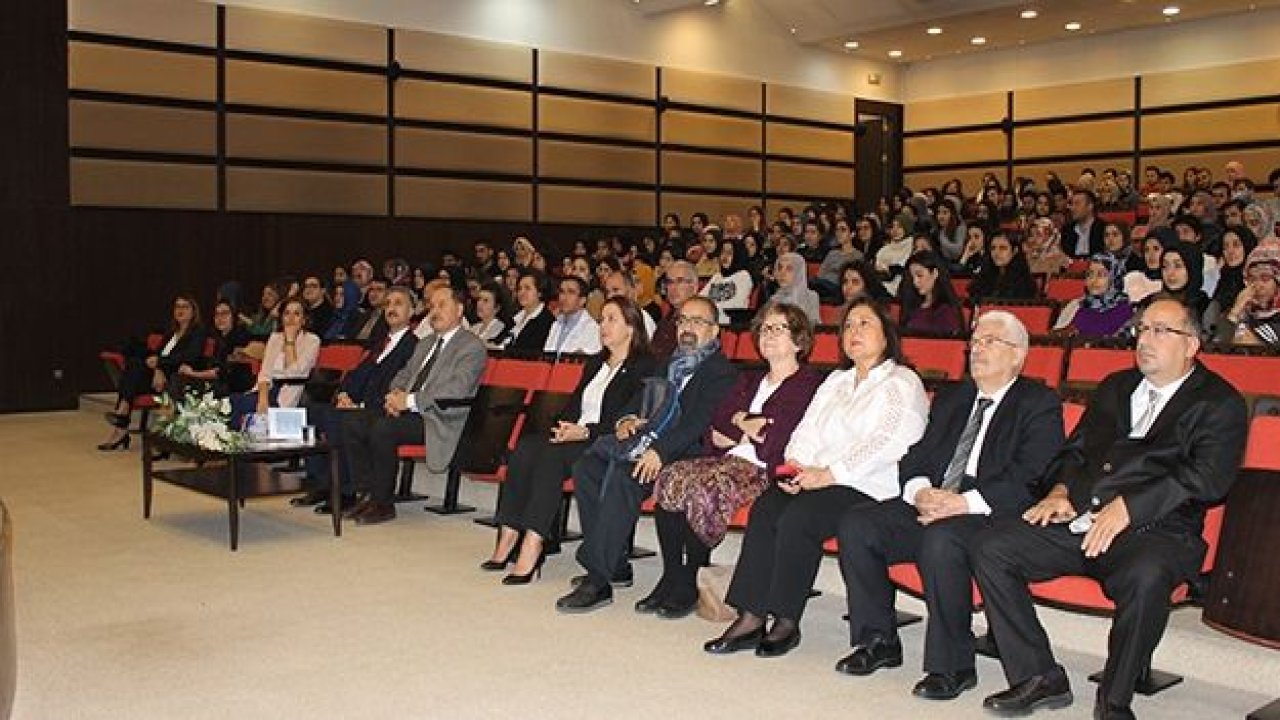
x: 500, y: 565
x: 121, y: 443
x: 514, y: 579
x: 116, y: 419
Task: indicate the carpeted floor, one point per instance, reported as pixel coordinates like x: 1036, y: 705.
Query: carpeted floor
x: 119, y: 617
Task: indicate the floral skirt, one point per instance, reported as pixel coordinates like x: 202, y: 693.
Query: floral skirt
x: 709, y: 490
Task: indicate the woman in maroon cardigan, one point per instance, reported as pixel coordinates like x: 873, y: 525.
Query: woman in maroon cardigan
x: 748, y: 436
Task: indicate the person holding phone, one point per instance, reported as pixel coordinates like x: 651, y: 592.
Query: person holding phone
x: 845, y: 452
x: 529, y: 501
x: 697, y: 497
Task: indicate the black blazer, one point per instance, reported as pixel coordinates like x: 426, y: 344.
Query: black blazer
x: 370, y: 381
x: 188, y: 351
x: 1187, y: 460
x: 618, y: 395
x: 533, y: 338
x: 1096, y: 243
x: 710, y: 383
x: 1022, y: 439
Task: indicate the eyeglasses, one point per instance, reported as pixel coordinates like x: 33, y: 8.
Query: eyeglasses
x: 694, y: 320
x: 985, y: 341
x: 774, y: 329
x: 1160, y: 331
x: 679, y: 281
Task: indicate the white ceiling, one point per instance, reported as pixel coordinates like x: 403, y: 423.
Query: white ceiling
x: 879, y: 26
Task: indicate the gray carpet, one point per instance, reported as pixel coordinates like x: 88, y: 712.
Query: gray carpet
x: 119, y: 617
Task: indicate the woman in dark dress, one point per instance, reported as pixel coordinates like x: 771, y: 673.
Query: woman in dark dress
x: 530, y: 498
x: 221, y: 373
x: 1005, y: 274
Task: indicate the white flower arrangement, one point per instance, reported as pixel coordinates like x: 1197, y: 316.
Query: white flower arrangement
x: 201, y: 421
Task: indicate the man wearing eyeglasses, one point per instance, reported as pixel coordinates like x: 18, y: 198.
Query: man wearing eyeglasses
x: 681, y: 283
x: 610, y: 489
x: 1157, y: 444
x: 984, y: 453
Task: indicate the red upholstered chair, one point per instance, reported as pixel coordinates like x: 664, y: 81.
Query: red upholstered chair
x: 746, y: 350
x: 938, y: 357
x: 528, y: 374
x: 1044, y: 362
x: 564, y: 377
x: 340, y: 357
x: 826, y: 349
x: 729, y: 343
x: 961, y: 287
x: 1071, y: 414
x: 1064, y: 289
x: 830, y: 314
x: 1252, y: 375
x: 1036, y: 315
x: 1087, y: 366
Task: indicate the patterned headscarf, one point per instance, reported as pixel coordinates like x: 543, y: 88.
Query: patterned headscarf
x: 1114, y: 294
x: 1265, y: 257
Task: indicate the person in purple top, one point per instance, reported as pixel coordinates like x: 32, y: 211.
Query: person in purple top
x: 929, y: 303
x: 1104, y: 310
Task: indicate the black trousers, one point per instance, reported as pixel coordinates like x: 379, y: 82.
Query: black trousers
x: 530, y: 497
x: 328, y: 421
x: 875, y: 537
x: 682, y: 555
x: 1139, y: 573
x: 370, y: 439
x: 608, y: 508
x: 782, y: 548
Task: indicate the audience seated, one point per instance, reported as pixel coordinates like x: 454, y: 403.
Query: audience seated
x: 532, y: 322
x: 793, y: 289
x: 891, y: 259
x: 290, y: 354
x: 730, y: 287
x: 929, y: 302
x: 622, y: 284
x: 224, y: 372
x: 490, y: 309
x: 827, y: 283
x: 574, y: 330
x: 371, y: 324
x: 1105, y: 310
x: 1005, y: 274
x: 1254, y: 317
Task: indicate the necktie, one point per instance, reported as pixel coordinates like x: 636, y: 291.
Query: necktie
x: 955, y: 469
x: 421, y: 378
x: 1148, y: 417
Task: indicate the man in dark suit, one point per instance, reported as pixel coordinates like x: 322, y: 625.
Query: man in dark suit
x: 1083, y: 236
x: 425, y: 404
x: 1157, y: 444
x: 367, y: 383
x: 987, y: 446
x: 610, y: 490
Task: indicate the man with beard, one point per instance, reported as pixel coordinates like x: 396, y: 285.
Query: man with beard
x: 610, y: 487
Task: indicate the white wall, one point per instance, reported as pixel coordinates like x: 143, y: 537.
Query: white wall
x: 1176, y: 46
x: 736, y: 38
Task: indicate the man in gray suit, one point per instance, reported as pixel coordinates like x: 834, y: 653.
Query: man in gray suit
x: 422, y: 406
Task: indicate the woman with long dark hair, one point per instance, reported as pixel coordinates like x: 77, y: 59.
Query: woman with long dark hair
x: 1005, y: 274
x: 929, y: 303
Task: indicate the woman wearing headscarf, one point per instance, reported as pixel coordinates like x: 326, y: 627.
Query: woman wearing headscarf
x: 1237, y: 243
x: 1105, y: 309
x: 793, y: 286
x: 1139, y: 284
x: 1260, y: 220
x: 1254, y: 319
x: 730, y: 287
x: 1182, y: 274
x: 646, y: 281
x: 346, y: 307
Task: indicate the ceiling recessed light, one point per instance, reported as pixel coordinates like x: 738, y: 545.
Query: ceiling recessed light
x: 1029, y: 14
x: 934, y: 31
x: 1072, y: 26
x: 895, y: 53
x: 793, y: 31
x: 979, y: 40
x: 851, y: 45
x: 1171, y: 10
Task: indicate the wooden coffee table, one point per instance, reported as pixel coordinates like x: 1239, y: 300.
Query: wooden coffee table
x: 227, y: 475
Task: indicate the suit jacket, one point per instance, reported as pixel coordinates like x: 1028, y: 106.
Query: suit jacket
x: 1096, y: 243
x: 624, y: 386
x: 1022, y: 439
x: 187, y: 351
x: 533, y: 337
x: 785, y: 407
x: 454, y: 376
x: 370, y: 381
x: 1187, y: 460
x: 710, y: 382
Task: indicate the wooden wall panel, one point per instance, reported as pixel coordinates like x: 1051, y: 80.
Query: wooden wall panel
x: 808, y: 142
x: 597, y: 119
x: 1073, y: 99
x: 192, y: 23
x: 809, y: 104
x: 116, y: 183
x: 141, y: 72
x: 583, y: 72
x: 594, y: 162
x: 719, y: 91
x: 448, y: 150
x: 256, y: 83
x: 457, y: 55
x: 1080, y: 138
x: 305, y: 36
x: 958, y: 148
x: 703, y: 130
x: 970, y: 178
x: 595, y: 206
x: 450, y: 102
x: 294, y: 191
x: 1257, y: 163
x: 116, y: 126
x: 255, y: 136
x: 716, y: 207
x: 1205, y: 127
x: 810, y: 180
x: 706, y: 171
x: 439, y: 198
x: 955, y: 112
x: 1225, y: 82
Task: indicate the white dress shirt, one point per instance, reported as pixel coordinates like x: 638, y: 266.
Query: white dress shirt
x: 411, y: 401
x: 392, y: 340
x: 593, y: 394
x: 1140, y: 399
x: 580, y: 331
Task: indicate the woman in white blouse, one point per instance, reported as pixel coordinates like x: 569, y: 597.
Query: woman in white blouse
x: 286, y: 364
x: 844, y: 453
x: 529, y: 502
x: 730, y: 288
x: 490, y: 308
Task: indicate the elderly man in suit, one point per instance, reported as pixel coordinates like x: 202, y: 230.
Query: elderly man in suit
x: 1157, y: 444
x: 989, y: 441
x: 610, y: 490
x: 365, y: 385
x: 426, y: 400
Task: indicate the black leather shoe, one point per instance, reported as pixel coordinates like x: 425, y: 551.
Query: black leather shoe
x: 1051, y: 690
x: 945, y: 686
x: 778, y: 647
x: 326, y: 507
x: 1106, y: 711
x: 674, y: 608
x: 375, y: 513
x: 726, y: 644
x: 651, y: 602
x: 585, y: 598
x: 868, y: 658
x: 624, y: 580
x: 312, y: 497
